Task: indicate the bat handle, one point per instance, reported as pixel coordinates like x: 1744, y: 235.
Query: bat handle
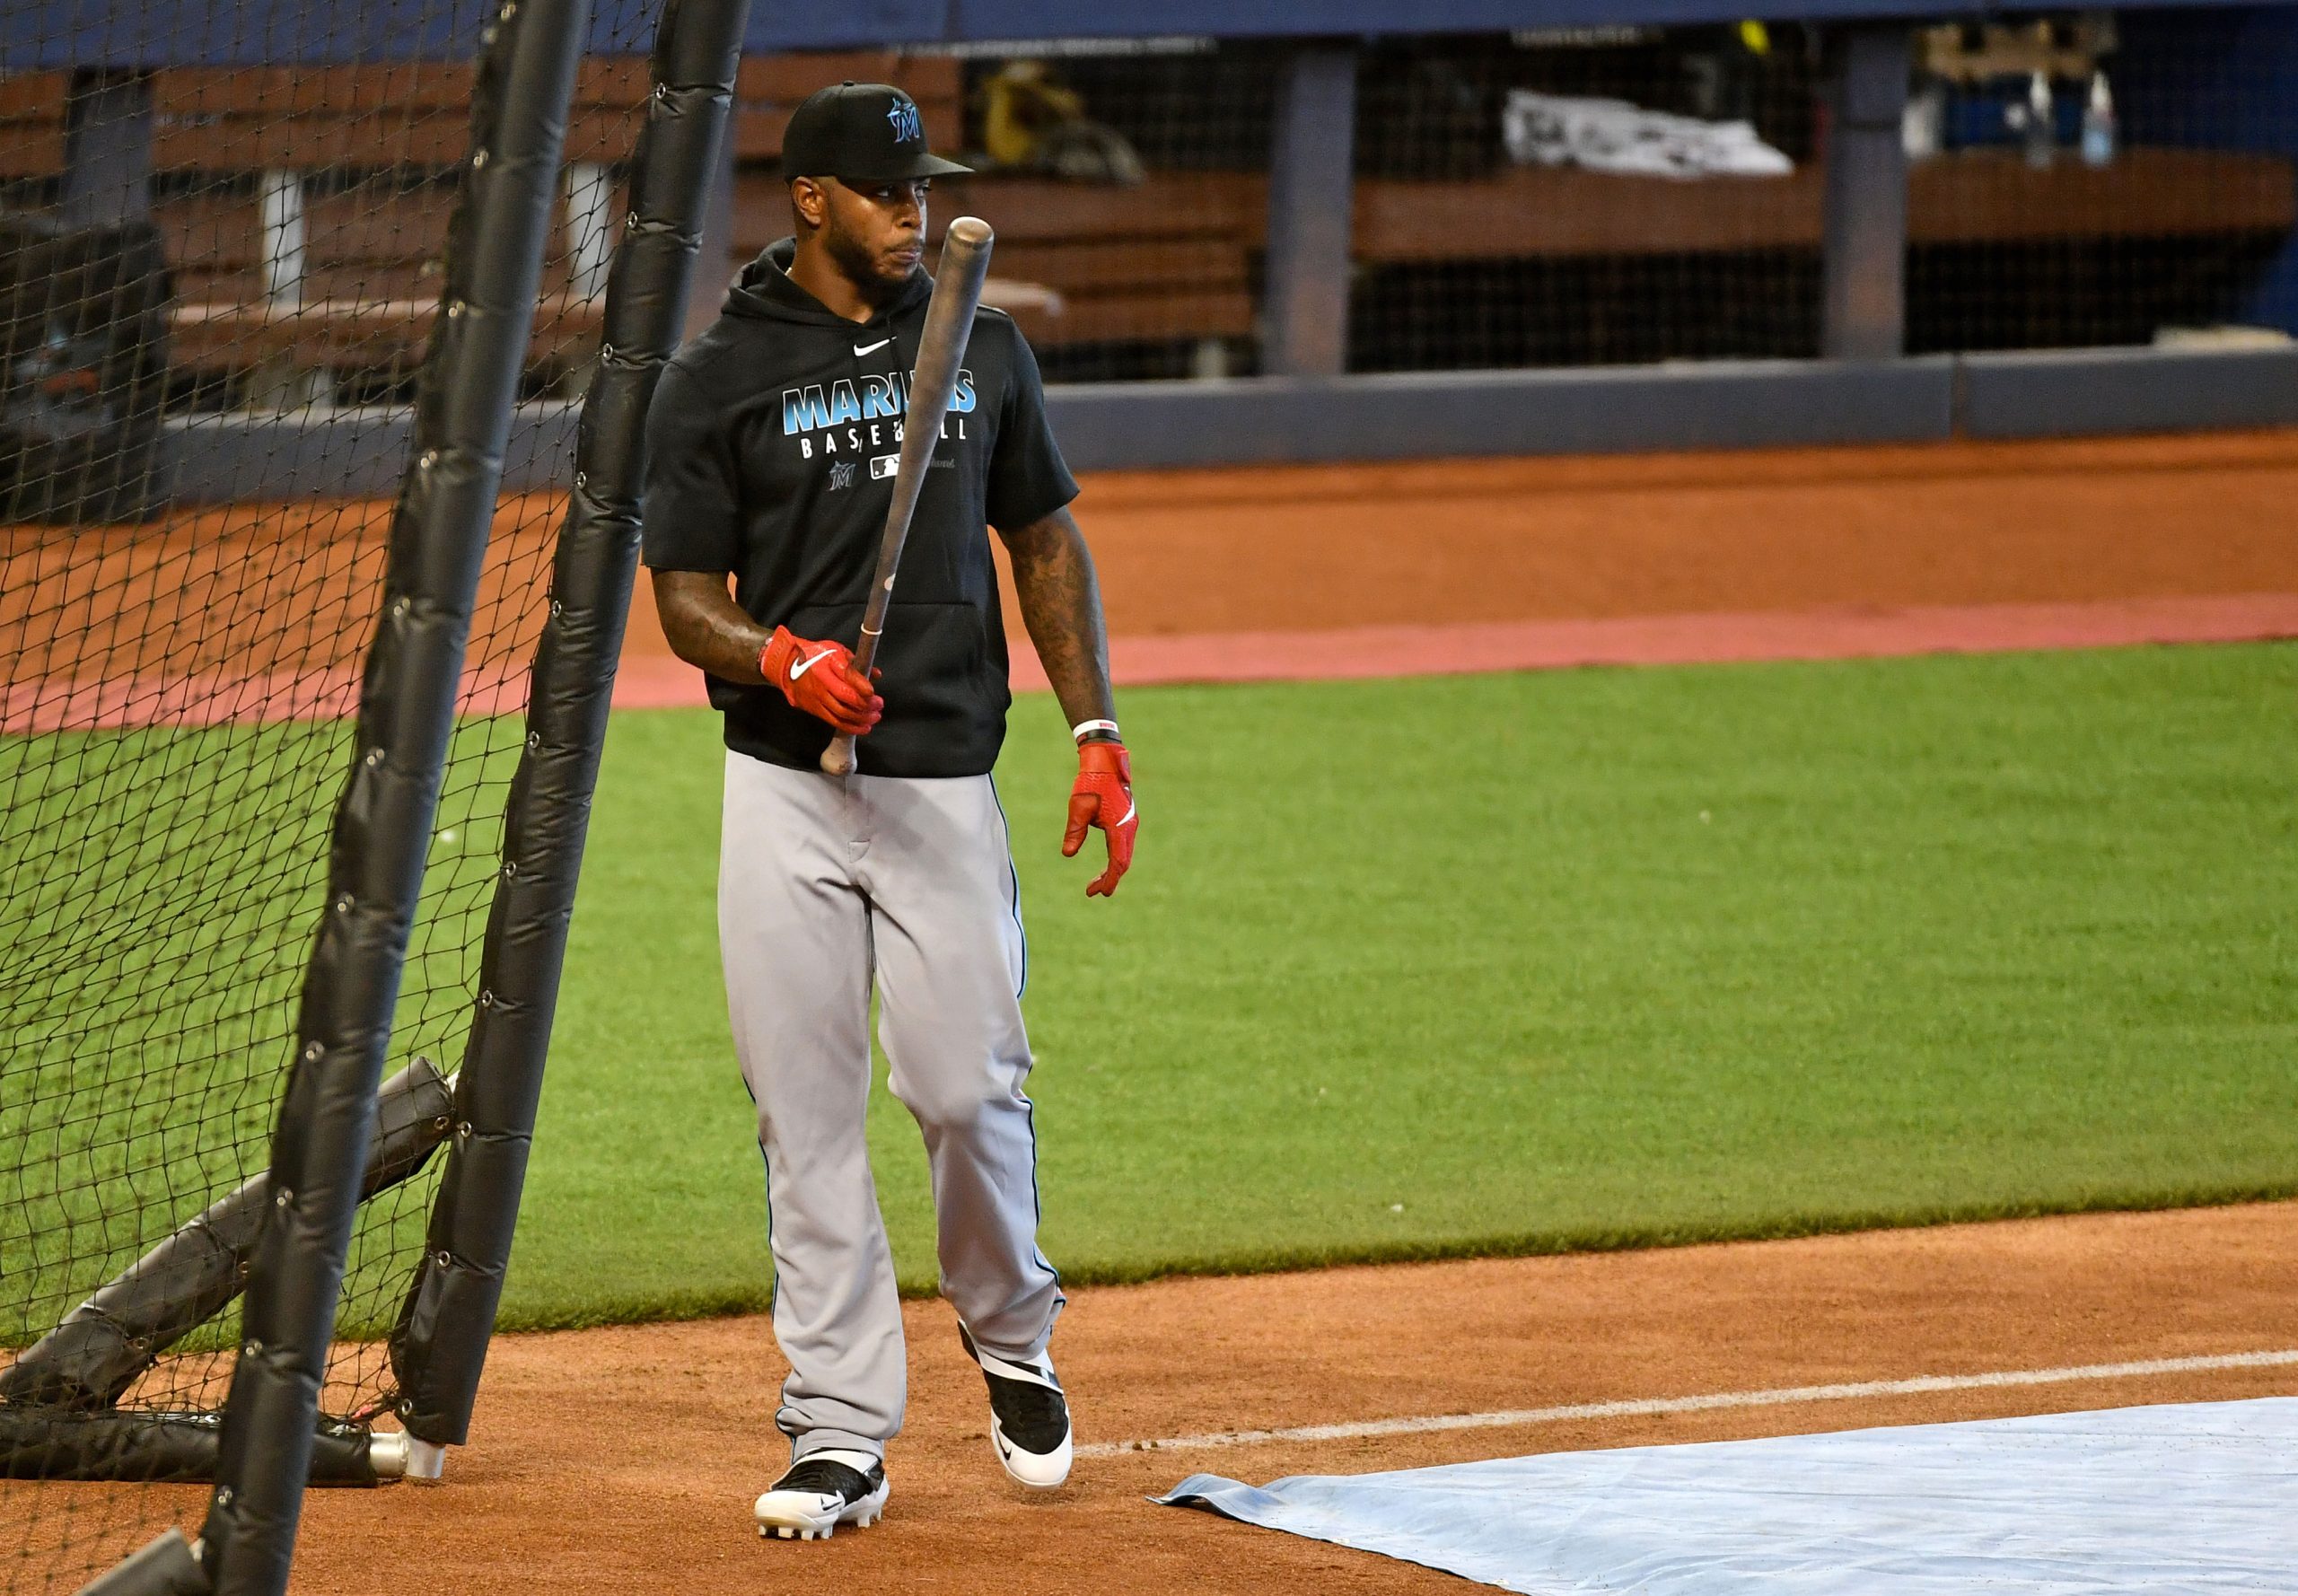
x: 838, y: 759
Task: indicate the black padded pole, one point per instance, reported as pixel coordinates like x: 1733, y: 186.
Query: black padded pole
x: 148, y: 1447
x: 439, y: 1345
x: 383, y: 828
x: 166, y: 1567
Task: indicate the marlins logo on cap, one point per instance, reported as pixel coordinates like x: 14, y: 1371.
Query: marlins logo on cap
x: 861, y: 133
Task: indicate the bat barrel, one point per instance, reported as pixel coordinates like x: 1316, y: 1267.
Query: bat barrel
x: 932, y: 384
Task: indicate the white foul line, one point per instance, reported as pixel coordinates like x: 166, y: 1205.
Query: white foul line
x: 1510, y: 1419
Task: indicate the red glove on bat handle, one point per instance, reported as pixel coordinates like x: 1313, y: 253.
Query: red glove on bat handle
x: 1103, y: 797
x: 819, y: 678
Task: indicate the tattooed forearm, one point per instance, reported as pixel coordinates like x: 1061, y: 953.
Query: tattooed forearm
x: 705, y: 626
x: 1061, y: 605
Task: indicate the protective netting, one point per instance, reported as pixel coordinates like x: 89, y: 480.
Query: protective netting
x: 1128, y: 184
x: 1587, y: 197
x: 1498, y: 220
x: 1127, y: 181
x: 1611, y: 194
x: 2103, y: 180
x: 219, y: 286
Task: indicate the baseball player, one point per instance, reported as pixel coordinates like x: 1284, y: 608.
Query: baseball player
x: 772, y: 446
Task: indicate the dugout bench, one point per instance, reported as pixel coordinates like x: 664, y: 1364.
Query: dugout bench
x: 1167, y: 260
x: 304, y: 215
x: 1970, y: 197
x: 305, y: 218
x: 304, y: 211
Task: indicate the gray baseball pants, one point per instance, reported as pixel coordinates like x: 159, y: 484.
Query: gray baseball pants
x: 825, y: 885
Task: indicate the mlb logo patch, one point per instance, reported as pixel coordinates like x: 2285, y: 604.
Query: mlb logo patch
x: 884, y: 466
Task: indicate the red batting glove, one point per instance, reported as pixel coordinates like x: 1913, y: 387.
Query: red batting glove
x: 1103, y: 797
x: 819, y: 678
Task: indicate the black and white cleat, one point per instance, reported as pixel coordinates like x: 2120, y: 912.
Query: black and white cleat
x: 822, y: 1491
x: 1029, y: 1418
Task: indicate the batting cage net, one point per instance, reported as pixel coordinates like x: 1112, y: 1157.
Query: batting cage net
x: 231, y: 297
x: 1587, y: 197
x: 1129, y: 183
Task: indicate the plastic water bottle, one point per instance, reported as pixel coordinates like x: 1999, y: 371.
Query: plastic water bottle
x: 2098, y: 124
x: 2042, y: 135
x: 1923, y: 125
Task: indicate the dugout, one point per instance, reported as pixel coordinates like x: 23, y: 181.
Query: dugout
x: 1321, y: 218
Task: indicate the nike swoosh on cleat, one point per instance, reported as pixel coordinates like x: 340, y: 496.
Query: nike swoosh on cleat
x: 803, y: 666
x: 872, y: 348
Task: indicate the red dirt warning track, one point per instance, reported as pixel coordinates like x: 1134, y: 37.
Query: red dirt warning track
x: 262, y: 612
x: 1437, y: 566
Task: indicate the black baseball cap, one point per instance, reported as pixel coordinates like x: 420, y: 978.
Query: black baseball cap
x: 866, y: 132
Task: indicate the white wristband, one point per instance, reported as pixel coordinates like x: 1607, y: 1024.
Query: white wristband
x: 1078, y: 732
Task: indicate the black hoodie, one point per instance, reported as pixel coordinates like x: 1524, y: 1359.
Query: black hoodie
x: 770, y: 451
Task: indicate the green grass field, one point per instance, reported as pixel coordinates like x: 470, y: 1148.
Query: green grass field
x: 1523, y: 963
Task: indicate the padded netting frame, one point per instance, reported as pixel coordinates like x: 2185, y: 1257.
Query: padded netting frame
x: 439, y: 1344
x: 408, y: 701
x: 294, y: 1261
x: 267, y: 1436
x: 485, y: 1112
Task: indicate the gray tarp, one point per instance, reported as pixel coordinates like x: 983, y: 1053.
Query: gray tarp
x: 2199, y: 1497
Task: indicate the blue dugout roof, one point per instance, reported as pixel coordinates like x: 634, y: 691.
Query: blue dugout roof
x: 46, y: 33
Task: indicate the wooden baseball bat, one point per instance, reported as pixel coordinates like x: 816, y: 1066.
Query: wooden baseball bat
x: 949, y: 323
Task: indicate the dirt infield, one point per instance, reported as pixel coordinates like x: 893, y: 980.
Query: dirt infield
x: 625, y: 1459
